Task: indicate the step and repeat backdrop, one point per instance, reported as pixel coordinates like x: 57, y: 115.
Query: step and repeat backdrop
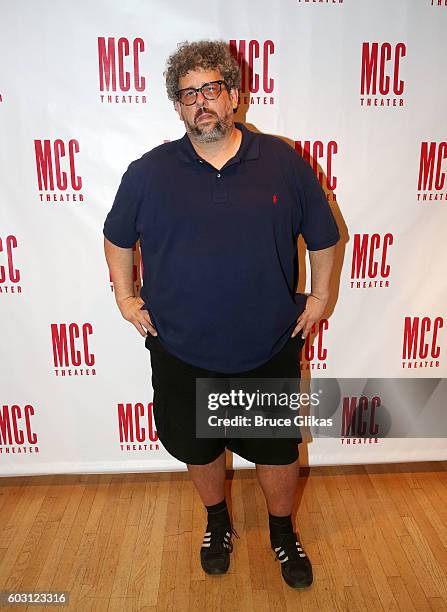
x: 357, y: 87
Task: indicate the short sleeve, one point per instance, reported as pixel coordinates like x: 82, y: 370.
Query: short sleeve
x: 318, y: 226
x: 121, y: 221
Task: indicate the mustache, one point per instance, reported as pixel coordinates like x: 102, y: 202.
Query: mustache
x: 203, y: 111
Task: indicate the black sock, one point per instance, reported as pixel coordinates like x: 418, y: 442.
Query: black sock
x: 279, y: 525
x: 218, y: 515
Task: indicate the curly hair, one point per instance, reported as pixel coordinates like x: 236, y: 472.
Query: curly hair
x: 205, y: 54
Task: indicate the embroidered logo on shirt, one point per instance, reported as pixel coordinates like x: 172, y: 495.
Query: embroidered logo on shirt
x: 275, y: 198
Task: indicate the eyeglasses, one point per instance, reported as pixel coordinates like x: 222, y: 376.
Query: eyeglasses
x: 210, y: 91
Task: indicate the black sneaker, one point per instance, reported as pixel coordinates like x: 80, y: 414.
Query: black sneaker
x: 296, y: 568
x: 216, y: 549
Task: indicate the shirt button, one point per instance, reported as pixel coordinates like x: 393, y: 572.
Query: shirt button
x: 218, y: 176
x: 201, y: 161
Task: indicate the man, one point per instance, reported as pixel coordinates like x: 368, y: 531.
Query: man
x: 218, y: 213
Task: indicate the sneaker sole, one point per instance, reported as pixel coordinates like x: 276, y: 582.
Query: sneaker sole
x: 297, y: 586
x: 216, y: 572
x: 304, y: 585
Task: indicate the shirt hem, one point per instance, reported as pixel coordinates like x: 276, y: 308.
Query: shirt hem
x: 118, y: 243
x: 256, y: 364
x: 322, y: 245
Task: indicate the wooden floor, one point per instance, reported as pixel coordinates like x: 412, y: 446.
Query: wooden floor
x: 376, y: 535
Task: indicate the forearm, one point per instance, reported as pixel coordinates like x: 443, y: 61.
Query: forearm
x: 321, y: 264
x: 120, y: 262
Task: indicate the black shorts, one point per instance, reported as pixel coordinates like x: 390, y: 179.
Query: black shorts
x: 174, y: 404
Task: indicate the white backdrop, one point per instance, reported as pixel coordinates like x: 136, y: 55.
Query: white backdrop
x: 61, y: 412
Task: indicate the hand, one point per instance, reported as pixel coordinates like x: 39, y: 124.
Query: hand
x: 313, y: 312
x: 130, y: 308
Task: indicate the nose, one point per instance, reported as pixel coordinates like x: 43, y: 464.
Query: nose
x: 200, y: 98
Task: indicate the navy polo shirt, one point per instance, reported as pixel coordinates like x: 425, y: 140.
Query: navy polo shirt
x: 219, y: 246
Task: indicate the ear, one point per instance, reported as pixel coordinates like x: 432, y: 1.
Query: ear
x: 234, y: 97
x: 178, y: 108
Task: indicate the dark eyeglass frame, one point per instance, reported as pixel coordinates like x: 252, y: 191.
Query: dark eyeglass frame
x: 196, y: 90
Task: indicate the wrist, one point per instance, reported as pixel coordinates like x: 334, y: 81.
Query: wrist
x: 120, y: 300
x: 323, y: 297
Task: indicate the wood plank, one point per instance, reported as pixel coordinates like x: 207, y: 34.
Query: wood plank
x: 431, y: 573
x: 391, y: 525
x: 398, y: 587
x: 26, y: 511
x: 157, y: 495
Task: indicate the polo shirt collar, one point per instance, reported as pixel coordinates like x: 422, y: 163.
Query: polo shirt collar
x: 249, y: 147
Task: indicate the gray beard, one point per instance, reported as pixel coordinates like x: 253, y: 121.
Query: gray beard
x: 220, y: 129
